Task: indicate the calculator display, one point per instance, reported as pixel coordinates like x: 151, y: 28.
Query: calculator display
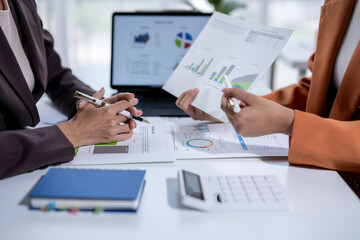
x: 193, y: 185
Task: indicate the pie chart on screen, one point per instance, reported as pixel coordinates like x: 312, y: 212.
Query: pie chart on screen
x: 183, y: 40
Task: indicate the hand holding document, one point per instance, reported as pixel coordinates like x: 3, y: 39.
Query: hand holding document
x: 227, y: 46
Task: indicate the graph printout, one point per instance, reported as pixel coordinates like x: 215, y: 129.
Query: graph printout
x: 221, y: 140
x: 226, y: 46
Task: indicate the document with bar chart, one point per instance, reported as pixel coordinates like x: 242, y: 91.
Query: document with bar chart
x: 226, y: 46
x: 147, y: 145
x: 220, y: 140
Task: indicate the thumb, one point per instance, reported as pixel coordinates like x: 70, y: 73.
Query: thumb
x: 80, y: 104
x: 100, y: 94
x: 239, y: 94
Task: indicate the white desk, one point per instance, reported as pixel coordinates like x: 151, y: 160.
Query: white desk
x: 322, y: 207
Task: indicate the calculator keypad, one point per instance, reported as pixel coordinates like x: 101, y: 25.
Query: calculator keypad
x: 249, y: 190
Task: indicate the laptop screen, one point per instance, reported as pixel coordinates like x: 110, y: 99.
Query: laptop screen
x: 147, y: 47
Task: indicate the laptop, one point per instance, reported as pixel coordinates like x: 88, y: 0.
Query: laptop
x: 146, y: 49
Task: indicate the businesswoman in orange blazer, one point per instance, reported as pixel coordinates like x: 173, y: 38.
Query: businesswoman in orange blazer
x: 30, y: 67
x: 321, y: 113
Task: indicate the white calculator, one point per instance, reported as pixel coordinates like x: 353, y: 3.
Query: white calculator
x: 232, y: 193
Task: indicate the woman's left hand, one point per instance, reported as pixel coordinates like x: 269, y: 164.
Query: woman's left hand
x: 114, y: 99
x: 258, y: 116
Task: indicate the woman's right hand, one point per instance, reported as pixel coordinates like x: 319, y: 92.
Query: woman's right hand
x: 184, y: 103
x: 94, y: 125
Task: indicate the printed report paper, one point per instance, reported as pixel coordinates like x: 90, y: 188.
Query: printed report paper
x: 217, y: 140
x: 148, y: 144
x: 226, y: 46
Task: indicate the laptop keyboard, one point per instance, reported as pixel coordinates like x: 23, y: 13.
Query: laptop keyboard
x: 156, y: 102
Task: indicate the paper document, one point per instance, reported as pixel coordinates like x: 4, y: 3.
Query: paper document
x: 148, y: 144
x: 221, y: 140
x: 226, y: 46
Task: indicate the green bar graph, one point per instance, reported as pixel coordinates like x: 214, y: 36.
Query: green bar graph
x: 195, y: 69
x: 203, y: 69
x: 220, y: 73
x: 212, y: 76
x: 202, y: 61
x: 222, y: 79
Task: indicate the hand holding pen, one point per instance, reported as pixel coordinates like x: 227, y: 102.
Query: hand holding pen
x: 93, y: 125
x: 234, y: 103
x: 101, y: 103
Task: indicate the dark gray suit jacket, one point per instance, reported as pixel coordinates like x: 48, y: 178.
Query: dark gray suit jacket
x: 21, y: 149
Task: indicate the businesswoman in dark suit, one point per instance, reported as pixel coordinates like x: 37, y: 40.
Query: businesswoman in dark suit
x: 30, y: 67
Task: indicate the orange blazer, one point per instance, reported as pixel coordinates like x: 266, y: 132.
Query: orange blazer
x: 326, y: 130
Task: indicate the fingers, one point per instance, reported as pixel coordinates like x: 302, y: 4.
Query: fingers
x: 99, y: 94
x: 120, y: 106
x: 125, y: 96
x: 134, y: 111
x: 80, y: 104
x: 225, y: 106
x: 239, y: 94
x: 122, y: 119
x: 119, y: 97
x: 131, y: 123
x: 122, y: 137
x: 118, y: 133
x: 186, y: 98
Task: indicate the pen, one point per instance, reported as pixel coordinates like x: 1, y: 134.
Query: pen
x: 232, y: 101
x: 101, y: 103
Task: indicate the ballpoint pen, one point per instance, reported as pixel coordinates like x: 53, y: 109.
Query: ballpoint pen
x: 101, y: 103
x: 234, y: 103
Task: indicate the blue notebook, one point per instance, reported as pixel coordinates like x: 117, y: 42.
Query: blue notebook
x: 89, y: 188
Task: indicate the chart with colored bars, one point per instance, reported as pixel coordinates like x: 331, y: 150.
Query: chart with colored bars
x: 183, y: 40
x: 199, y: 68
x: 242, y: 82
x: 142, y: 38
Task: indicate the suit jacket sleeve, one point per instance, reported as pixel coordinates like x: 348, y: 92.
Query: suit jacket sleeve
x: 62, y: 84
x: 294, y: 96
x: 25, y: 150
x: 318, y: 141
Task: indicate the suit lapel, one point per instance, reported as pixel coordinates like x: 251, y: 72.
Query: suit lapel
x: 334, y: 18
x: 348, y: 98
x: 12, y: 72
x: 31, y: 29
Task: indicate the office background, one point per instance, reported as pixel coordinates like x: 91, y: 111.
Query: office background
x: 82, y: 30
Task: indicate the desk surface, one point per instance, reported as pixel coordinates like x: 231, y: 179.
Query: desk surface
x: 322, y: 207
